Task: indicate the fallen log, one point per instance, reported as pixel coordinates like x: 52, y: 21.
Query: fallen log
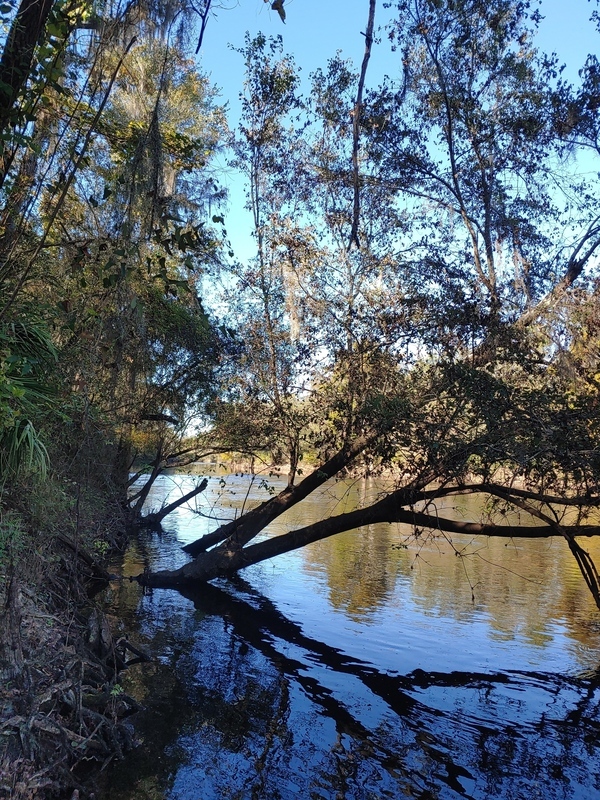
x: 155, y: 519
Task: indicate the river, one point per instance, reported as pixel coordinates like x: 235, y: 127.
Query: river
x: 370, y: 665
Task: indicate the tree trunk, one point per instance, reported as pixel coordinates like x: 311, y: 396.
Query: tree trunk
x: 252, y: 523
x: 137, y: 500
x: 17, y: 57
x: 225, y: 561
x: 154, y: 520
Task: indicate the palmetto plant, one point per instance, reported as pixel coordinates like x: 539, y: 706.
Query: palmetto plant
x: 26, y: 350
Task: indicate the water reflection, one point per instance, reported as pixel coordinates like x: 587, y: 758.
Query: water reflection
x: 356, y: 669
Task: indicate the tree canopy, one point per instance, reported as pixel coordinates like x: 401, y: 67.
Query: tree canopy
x: 423, y: 299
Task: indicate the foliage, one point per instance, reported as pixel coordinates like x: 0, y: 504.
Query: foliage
x: 105, y: 225
x: 422, y: 298
x: 27, y: 355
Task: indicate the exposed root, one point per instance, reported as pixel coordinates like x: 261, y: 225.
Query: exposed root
x: 62, y: 712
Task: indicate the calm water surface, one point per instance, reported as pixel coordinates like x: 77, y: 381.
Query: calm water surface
x: 369, y: 665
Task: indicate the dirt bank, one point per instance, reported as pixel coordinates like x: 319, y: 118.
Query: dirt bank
x: 63, y: 715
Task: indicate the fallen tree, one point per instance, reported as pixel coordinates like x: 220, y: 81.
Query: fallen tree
x: 415, y: 310
x: 397, y: 507
x: 245, y: 528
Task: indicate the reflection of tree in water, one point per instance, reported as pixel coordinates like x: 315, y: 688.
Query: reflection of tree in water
x: 361, y: 569
x: 301, y: 738
x: 467, y: 576
x: 528, y: 592
x: 434, y: 734
x: 272, y: 713
x: 238, y: 693
x: 361, y: 566
x: 523, y: 586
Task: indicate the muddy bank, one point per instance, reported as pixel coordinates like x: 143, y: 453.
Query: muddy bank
x: 63, y: 713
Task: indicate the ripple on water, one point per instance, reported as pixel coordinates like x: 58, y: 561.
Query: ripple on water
x: 358, y: 669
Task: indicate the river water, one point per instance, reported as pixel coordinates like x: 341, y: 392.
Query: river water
x: 370, y: 665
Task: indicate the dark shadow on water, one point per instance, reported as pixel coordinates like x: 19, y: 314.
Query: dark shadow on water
x: 261, y: 710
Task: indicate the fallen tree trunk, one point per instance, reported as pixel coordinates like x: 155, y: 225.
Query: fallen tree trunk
x: 154, y: 519
x: 225, y: 561
x: 253, y: 522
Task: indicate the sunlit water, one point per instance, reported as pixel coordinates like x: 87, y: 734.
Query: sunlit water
x: 369, y: 665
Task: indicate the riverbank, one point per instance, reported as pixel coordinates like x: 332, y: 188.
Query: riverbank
x: 63, y: 715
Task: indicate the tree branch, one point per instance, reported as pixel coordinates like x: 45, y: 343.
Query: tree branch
x: 356, y: 125
x: 391, y: 509
x: 155, y: 519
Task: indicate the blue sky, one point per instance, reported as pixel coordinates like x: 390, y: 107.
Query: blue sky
x: 316, y: 29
